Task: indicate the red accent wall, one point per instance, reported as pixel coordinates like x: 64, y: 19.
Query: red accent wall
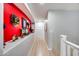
x: 10, y: 30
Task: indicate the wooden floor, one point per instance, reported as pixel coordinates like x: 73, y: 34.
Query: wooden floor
x: 40, y: 48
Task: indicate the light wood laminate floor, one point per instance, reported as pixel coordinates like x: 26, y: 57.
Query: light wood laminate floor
x: 40, y: 48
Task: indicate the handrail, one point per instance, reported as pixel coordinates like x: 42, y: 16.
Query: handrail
x: 64, y: 38
x: 72, y: 44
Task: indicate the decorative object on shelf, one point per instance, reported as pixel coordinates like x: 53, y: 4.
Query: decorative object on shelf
x: 14, y: 38
x: 14, y: 20
x: 4, y: 26
x: 28, y: 24
x: 32, y: 28
x: 4, y: 45
x: 27, y: 32
x: 21, y: 34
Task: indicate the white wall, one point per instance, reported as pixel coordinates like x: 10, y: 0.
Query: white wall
x: 1, y: 28
x: 62, y: 22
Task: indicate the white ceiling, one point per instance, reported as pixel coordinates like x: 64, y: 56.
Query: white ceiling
x: 40, y: 11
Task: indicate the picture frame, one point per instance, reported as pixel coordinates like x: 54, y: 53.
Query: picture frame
x: 24, y: 23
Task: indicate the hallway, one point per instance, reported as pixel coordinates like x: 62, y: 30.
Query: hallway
x: 39, y: 46
x: 29, y: 31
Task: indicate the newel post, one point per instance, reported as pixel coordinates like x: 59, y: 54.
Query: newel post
x: 63, y: 45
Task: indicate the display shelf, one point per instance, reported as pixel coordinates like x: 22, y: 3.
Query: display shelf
x: 12, y: 45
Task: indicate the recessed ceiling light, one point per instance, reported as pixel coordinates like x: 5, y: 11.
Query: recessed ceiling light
x: 42, y: 3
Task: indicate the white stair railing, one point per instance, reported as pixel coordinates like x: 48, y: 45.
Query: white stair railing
x: 68, y: 48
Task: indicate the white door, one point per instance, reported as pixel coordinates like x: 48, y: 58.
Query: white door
x: 39, y: 30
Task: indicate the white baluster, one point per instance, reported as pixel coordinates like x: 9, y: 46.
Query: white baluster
x: 75, y: 52
x: 68, y: 50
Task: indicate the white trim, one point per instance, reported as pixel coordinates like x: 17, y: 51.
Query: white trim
x: 29, y: 10
x: 1, y: 28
